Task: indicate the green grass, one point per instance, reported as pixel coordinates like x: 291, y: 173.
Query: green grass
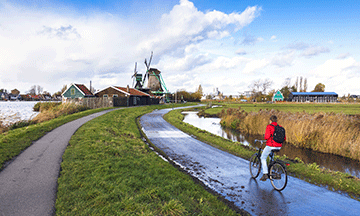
x: 107, y: 169
x: 13, y: 142
x: 346, y: 108
x: 335, y: 181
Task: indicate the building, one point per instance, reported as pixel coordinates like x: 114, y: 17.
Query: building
x: 76, y: 91
x: 133, y: 96
x: 319, y: 97
x: 278, y: 96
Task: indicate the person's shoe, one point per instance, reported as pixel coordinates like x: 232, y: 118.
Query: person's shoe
x: 264, y: 177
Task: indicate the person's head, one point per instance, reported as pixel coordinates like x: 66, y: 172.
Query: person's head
x: 273, y: 118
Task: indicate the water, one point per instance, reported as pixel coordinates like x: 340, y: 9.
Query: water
x: 14, y: 111
x: 329, y: 161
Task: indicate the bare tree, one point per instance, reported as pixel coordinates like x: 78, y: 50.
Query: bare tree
x: 297, y: 84
x: 32, y: 90
x: 265, y: 85
x: 305, y: 85
x: 39, y: 89
x: 301, y: 84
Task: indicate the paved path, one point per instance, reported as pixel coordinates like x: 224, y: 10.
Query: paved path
x: 229, y: 176
x: 28, y: 185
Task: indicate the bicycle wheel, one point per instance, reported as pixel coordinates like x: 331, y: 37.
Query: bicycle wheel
x: 278, y: 176
x: 255, y: 166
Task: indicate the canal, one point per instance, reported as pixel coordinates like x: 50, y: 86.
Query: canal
x: 328, y: 161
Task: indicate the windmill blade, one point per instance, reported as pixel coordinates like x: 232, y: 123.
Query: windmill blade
x: 150, y: 59
x: 135, y: 72
x: 147, y: 67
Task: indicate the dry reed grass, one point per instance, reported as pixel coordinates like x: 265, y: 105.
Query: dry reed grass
x: 58, y: 110
x: 325, y: 132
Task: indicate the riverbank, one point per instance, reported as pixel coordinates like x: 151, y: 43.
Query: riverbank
x: 334, y: 181
x: 107, y: 169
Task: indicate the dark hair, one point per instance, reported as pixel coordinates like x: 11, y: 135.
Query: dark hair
x: 273, y: 118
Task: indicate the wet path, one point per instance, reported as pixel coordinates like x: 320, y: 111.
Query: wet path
x: 229, y: 176
x: 28, y: 185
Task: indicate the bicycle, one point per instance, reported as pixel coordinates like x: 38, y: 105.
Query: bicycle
x: 277, y: 168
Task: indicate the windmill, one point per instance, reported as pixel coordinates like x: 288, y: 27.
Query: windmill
x: 155, y: 81
x: 138, y: 78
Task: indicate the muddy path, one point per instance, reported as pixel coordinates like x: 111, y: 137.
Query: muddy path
x: 229, y: 176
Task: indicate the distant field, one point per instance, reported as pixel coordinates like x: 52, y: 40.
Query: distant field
x: 349, y: 109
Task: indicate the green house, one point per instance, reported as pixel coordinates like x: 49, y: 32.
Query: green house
x: 76, y: 91
x: 278, y: 96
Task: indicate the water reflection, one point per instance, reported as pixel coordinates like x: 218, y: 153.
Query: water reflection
x: 329, y: 161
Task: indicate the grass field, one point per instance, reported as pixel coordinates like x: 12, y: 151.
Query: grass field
x: 107, y: 169
x: 346, y: 108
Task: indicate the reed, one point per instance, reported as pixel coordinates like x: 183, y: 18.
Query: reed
x: 50, y: 111
x: 334, y: 133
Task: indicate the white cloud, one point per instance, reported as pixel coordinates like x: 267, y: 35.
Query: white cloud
x: 255, y: 65
x: 314, y: 51
x: 273, y: 38
x: 42, y: 46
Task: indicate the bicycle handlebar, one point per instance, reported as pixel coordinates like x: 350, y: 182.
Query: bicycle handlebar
x: 261, y: 141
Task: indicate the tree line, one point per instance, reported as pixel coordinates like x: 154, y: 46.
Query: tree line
x: 259, y: 88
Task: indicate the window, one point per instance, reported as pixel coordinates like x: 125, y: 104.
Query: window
x: 115, y: 95
x: 105, y: 96
x: 72, y: 91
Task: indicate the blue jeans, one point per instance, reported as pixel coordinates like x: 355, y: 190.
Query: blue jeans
x: 264, y: 155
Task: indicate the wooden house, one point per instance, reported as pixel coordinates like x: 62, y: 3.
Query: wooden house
x: 76, y: 91
x: 278, y: 96
x: 133, y: 96
x: 319, y: 97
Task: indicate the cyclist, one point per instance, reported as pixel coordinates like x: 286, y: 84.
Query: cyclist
x: 270, y: 145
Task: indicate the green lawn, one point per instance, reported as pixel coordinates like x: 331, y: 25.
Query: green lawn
x: 108, y: 170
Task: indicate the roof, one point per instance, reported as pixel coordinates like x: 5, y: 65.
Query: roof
x: 133, y: 91
x: 83, y: 88
x: 313, y: 93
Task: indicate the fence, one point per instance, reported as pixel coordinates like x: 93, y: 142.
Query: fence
x: 95, y: 102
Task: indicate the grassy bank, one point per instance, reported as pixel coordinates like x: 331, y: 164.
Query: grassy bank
x: 13, y: 142
x: 324, y: 132
x: 107, y: 169
x: 335, y: 181
x: 345, y: 108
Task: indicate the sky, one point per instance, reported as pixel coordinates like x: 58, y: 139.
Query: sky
x: 224, y: 44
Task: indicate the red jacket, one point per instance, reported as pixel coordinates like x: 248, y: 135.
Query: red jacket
x: 269, y: 134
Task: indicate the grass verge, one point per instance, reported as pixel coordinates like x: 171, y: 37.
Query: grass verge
x: 107, y: 169
x: 13, y: 142
x: 335, y: 181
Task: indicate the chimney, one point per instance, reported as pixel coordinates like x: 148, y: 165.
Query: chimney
x: 127, y: 89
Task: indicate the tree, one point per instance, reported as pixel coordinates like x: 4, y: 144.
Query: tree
x: 255, y: 87
x: 305, y: 85
x: 63, y: 89
x: 32, y: 90
x: 301, y: 86
x: 319, y: 88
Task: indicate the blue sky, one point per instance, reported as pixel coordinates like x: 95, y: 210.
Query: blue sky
x: 219, y: 44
